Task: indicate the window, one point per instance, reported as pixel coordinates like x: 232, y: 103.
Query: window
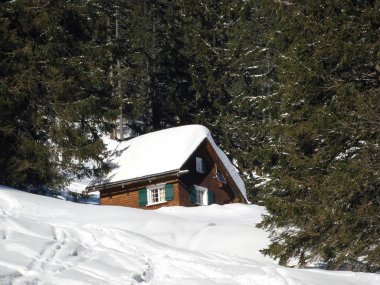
x: 201, y: 195
x: 156, y: 194
x: 200, y: 165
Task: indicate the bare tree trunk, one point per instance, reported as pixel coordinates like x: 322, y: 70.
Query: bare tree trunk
x: 121, y: 127
x: 110, y: 76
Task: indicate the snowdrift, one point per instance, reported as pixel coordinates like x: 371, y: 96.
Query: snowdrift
x: 48, y: 241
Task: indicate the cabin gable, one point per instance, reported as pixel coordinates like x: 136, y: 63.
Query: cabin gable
x: 214, y: 178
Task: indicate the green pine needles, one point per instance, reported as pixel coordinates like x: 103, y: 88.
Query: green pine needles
x: 325, y: 195
x: 55, y: 95
x: 289, y: 89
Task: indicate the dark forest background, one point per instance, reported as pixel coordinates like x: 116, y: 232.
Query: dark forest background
x: 289, y: 89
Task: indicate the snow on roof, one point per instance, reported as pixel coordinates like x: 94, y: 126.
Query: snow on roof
x: 160, y: 152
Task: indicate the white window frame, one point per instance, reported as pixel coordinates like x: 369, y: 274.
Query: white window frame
x: 199, y: 164
x: 161, y: 195
x: 201, y: 193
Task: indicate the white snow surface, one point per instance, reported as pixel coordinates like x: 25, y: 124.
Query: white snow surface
x: 161, y: 151
x: 49, y: 241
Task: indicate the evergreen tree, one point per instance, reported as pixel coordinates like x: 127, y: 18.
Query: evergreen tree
x: 325, y: 192
x: 205, y: 48
x: 253, y: 110
x: 54, y: 91
x: 233, y: 78
x: 286, y: 88
x: 159, y: 68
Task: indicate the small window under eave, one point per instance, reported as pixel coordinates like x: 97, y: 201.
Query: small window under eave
x: 200, y: 165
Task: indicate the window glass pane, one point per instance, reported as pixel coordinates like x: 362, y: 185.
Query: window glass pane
x: 199, y: 195
x: 156, y: 195
x: 199, y: 164
x: 162, y: 194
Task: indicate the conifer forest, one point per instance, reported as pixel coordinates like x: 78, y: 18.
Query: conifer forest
x: 289, y: 89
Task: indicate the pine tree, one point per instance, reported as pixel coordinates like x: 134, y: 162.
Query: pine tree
x: 54, y: 89
x: 205, y: 42
x: 158, y: 67
x: 326, y: 180
x: 232, y: 76
x: 252, y: 113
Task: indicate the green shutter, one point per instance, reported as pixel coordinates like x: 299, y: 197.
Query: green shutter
x: 192, y: 194
x: 211, y: 197
x: 169, y: 192
x: 143, y: 197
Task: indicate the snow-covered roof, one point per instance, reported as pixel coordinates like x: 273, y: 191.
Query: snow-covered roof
x: 161, y: 152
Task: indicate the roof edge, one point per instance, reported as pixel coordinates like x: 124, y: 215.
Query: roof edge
x: 93, y: 188
x: 244, y: 199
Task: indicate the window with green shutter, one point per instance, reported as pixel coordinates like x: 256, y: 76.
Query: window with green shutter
x: 143, y: 197
x: 157, y: 194
x: 198, y: 195
x: 169, y: 192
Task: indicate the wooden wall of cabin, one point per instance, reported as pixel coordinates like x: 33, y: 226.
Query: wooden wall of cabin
x: 129, y: 196
x: 223, y: 193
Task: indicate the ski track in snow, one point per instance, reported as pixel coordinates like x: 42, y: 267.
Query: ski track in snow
x: 81, y: 252
x: 66, y: 250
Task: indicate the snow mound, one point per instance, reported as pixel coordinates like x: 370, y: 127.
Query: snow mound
x: 49, y: 241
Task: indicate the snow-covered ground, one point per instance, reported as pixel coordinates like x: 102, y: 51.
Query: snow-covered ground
x: 49, y: 241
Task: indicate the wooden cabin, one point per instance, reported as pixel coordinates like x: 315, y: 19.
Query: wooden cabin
x: 179, y: 166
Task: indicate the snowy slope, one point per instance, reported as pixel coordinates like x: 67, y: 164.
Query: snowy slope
x: 49, y: 241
